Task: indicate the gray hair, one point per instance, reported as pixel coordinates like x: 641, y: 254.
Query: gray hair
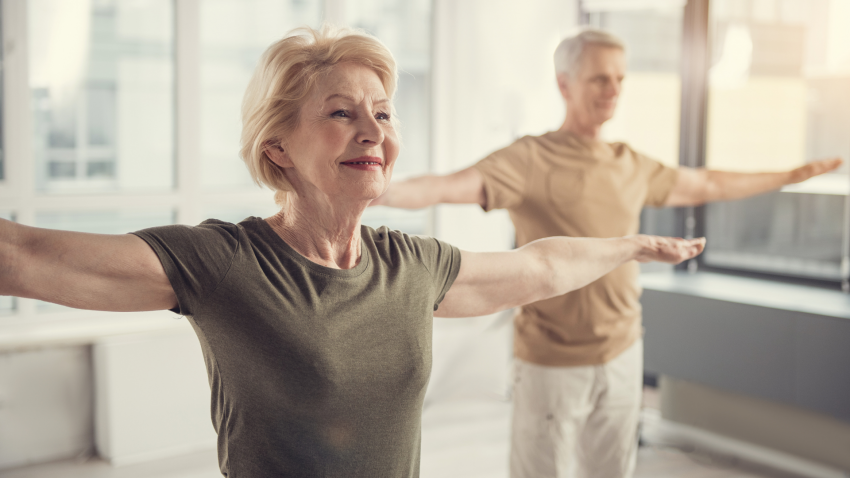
x: 569, y: 51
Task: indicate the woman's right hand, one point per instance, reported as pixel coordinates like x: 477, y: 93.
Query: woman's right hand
x: 492, y: 281
x: 118, y: 273
x: 671, y: 250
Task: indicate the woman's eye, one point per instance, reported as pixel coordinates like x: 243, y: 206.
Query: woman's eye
x: 382, y: 117
x: 340, y: 114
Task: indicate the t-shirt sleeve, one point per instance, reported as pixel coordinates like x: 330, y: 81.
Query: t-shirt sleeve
x: 660, y: 178
x: 195, y: 259
x: 442, y: 261
x: 505, y: 174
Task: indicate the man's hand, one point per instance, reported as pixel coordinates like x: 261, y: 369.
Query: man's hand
x: 813, y: 169
x: 695, y: 187
x: 671, y: 250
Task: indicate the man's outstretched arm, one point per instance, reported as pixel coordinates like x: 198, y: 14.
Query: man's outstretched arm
x: 699, y: 186
x: 462, y: 187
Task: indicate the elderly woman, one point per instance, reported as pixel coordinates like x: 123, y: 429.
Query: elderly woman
x: 316, y: 330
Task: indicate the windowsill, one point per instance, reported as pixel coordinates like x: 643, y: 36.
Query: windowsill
x: 745, y: 290
x: 80, y: 328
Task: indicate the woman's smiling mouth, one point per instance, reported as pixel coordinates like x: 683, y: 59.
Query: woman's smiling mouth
x: 365, y: 163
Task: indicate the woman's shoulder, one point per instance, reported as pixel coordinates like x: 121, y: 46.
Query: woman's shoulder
x: 392, y: 243
x: 209, y: 233
x: 392, y: 237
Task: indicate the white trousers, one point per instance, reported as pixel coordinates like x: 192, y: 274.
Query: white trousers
x: 577, y: 422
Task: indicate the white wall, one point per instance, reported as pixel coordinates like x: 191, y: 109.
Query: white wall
x: 46, y: 405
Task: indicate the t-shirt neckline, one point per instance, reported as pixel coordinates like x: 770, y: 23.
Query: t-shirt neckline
x: 360, y: 268
x: 598, y: 148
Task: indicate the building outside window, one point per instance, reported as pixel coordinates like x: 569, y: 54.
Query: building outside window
x: 102, y: 87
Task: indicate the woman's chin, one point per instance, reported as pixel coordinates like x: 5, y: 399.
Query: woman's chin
x: 360, y: 198
x: 369, y: 191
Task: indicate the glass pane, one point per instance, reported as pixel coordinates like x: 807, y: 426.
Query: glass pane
x: 779, y: 96
x: 102, y: 86
x: 100, y: 222
x: 7, y: 303
x: 405, y: 28
x: 234, y: 33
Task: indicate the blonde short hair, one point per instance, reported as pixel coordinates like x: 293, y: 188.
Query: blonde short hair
x: 569, y: 51
x: 287, y: 73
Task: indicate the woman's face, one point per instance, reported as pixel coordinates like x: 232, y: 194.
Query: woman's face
x: 344, y: 146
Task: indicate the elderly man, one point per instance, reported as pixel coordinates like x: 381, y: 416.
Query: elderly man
x: 579, y: 357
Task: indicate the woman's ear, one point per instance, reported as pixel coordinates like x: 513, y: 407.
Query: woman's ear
x: 278, y: 155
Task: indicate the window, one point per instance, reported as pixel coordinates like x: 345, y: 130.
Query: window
x: 102, y: 86
x: 779, y: 96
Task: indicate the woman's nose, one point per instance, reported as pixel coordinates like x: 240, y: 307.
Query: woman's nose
x: 369, y: 131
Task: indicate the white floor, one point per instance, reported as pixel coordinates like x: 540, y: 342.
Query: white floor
x: 463, y: 439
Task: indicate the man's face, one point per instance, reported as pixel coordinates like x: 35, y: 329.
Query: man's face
x: 592, y: 93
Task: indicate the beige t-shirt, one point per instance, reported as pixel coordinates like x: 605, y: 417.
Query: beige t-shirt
x: 560, y: 184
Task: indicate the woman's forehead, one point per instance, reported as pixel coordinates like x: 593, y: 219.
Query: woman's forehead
x: 351, y: 81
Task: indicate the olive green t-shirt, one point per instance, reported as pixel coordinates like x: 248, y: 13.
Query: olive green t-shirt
x: 314, y: 371
x: 561, y: 184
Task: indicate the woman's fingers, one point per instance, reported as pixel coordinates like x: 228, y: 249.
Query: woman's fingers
x: 685, y: 249
x: 671, y: 250
x: 693, y: 248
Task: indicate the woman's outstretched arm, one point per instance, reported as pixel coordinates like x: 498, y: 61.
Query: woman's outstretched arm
x: 493, y: 281
x: 87, y: 271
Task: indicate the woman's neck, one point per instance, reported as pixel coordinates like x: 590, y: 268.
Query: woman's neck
x: 324, y: 233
